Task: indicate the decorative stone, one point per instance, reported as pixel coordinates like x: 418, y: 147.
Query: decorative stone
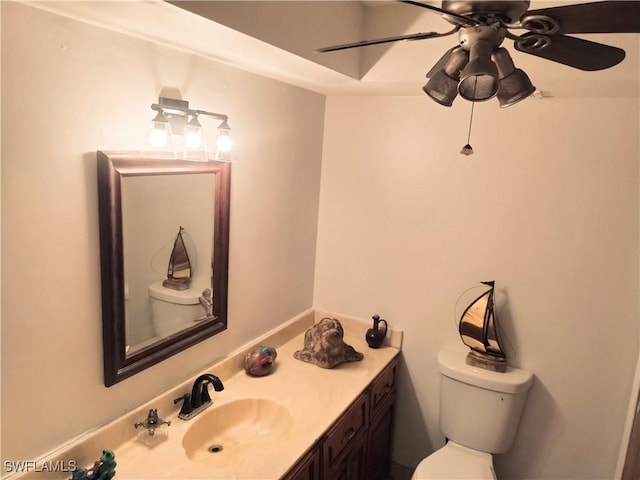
x: 324, y: 345
x: 260, y: 360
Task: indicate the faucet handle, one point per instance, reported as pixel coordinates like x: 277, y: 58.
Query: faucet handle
x: 186, y: 404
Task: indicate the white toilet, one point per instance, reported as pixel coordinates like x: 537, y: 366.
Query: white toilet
x: 479, y: 415
x: 174, y: 310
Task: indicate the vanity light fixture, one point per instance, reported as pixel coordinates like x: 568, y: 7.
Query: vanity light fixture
x: 177, y: 128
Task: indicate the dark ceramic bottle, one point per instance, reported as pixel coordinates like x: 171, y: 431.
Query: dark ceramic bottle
x: 375, y: 336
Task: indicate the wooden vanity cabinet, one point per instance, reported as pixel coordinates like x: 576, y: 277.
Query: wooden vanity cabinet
x: 308, y: 467
x: 358, y: 444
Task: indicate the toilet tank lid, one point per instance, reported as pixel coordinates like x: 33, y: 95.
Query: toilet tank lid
x: 452, y: 364
x: 189, y: 296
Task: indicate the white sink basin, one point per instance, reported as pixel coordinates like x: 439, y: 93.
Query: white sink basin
x: 233, y: 433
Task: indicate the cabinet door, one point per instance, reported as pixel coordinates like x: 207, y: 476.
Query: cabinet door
x: 379, y: 454
x: 308, y: 468
x: 341, y: 436
x: 352, y: 464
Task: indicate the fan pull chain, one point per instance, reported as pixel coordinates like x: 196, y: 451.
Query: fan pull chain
x: 468, y: 149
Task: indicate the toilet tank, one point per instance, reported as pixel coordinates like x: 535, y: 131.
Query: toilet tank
x: 174, y: 310
x: 480, y: 409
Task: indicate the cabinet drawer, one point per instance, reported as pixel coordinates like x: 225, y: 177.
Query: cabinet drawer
x: 350, y: 425
x: 384, y: 387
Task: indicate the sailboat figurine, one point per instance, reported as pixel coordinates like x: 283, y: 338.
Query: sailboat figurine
x: 179, y: 269
x: 479, y: 331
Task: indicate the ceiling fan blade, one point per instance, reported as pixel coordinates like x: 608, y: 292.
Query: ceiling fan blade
x: 598, y: 17
x: 364, y: 43
x: 465, y: 20
x: 571, y: 51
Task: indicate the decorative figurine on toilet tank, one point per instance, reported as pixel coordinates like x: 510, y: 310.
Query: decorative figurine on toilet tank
x: 324, y: 345
x: 479, y: 331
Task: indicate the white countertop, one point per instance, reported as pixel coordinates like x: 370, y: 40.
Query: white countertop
x: 314, y: 397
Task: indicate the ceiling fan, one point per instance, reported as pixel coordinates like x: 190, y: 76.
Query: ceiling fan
x: 478, y: 68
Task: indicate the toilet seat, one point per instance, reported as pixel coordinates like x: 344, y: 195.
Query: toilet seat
x: 455, y: 461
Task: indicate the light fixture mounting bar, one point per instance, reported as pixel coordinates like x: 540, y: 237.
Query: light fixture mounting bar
x: 173, y: 106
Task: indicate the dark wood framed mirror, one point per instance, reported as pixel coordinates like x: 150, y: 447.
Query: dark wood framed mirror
x: 143, y: 202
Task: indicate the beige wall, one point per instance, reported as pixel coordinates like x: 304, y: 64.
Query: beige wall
x: 69, y: 89
x: 547, y: 207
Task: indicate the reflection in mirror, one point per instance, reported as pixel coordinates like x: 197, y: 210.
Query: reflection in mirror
x: 163, y: 277
x: 179, y: 269
x: 164, y: 230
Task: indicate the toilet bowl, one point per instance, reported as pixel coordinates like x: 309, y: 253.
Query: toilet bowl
x: 174, y: 310
x: 454, y: 461
x: 479, y: 415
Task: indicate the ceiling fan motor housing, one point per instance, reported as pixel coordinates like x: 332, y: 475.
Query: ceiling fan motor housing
x: 470, y: 35
x: 509, y: 11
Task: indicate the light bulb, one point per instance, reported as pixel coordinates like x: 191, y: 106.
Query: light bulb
x: 224, y: 142
x: 158, y: 137
x: 160, y: 131
x: 193, y: 140
x: 193, y: 134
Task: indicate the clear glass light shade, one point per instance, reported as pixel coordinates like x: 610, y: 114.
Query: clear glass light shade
x: 224, y: 144
x: 479, y: 79
x: 159, y: 132
x: 160, y: 138
x: 193, y: 145
x: 193, y: 134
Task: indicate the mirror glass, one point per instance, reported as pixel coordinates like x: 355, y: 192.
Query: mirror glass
x: 164, y: 231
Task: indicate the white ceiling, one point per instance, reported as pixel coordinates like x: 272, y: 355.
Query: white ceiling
x: 278, y: 39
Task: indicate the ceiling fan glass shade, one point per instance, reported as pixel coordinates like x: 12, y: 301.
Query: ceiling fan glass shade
x: 479, y: 79
x: 515, y: 85
x: 442, y: 87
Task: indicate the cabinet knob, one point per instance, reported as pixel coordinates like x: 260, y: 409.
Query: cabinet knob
x: 348, y: 435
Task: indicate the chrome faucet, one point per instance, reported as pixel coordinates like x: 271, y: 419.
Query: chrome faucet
x: 152, y: 422
x: 199, y: 399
